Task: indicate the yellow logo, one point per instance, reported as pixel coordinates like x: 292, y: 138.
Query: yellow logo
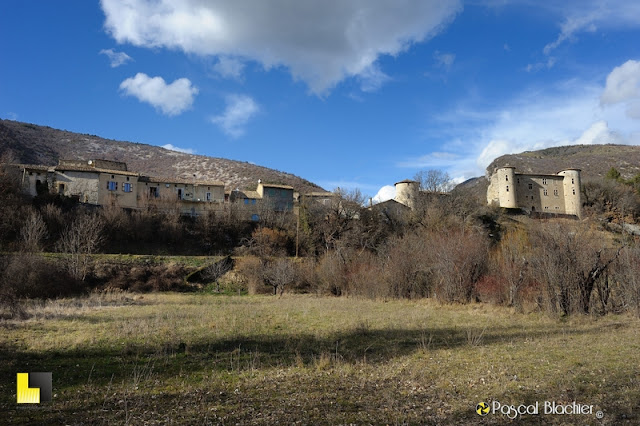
x: 482, y: 408
x: 34, y: 388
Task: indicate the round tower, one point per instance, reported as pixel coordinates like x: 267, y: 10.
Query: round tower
x: 407, y: 192
x: 571, y: 186
x: 507, y: 187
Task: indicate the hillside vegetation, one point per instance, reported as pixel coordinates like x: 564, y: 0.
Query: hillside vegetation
x: 32, y: 144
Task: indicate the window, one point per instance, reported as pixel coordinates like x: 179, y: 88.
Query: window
x: 208, y: 196
x: 557, y: 208
x: 507, y: 188
x: 246, y: 201
x: 546, y: 208
x: 253, y: 201
x: 555, y: 192
x: 61, y: 188
x: 518, y: 180
x: 530, y: 186
x: 126, y: 187
x: 127, y: 178
x: 545, y: 192
x: 574, y: 191
x: 572, y: 182
x: 544, y: 182
x: 112, y: 185
x: 506, y: 177
x: 179, y: 193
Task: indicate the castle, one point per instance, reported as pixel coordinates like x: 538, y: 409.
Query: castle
x: 536, y: 193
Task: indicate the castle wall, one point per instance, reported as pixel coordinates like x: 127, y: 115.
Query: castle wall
x: 555, y: 194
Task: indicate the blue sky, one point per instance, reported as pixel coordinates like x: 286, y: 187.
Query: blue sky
x: 350, y: 93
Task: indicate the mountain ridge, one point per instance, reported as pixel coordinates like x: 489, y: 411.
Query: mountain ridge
x: 33, y: 144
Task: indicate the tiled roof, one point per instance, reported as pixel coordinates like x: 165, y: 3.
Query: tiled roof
x: 95, y: 170
x: 270, y: 185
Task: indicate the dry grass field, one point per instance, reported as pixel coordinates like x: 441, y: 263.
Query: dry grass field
x: 121, y: 358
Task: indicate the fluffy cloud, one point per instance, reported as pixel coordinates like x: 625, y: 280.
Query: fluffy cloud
x: 385, y: 193
x: 116, y: 58
x: 170, y: 99
x: 239, y: 109
x: 178, y: 149
x: 623, y: 86
x: 321, y: 43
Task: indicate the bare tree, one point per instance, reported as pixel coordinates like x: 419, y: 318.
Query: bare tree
x: 80, y: 240
x: 511, y: 261
x: 33, y: 232
x: 280, y: 274
x: 434, y: 180
x: 216, y: 270
x: 569, y: 261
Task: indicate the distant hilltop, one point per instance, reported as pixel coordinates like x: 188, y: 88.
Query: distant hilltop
x: 594, y: 160
x: 33, y: 144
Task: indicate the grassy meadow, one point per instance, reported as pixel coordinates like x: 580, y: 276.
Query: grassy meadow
x: 121, y: 358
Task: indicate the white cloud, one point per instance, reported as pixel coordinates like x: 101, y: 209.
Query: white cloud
x: 591, y: 15
x: 444, y: 60
x: 320, y: 43
x: 385, y: 193
x: 238, y: 111
x: 178, y: 149
x: 116, y: 58
x: 229, y: 67
x: 623, y: 83
x: 170, y: 99
x: 566, y: 114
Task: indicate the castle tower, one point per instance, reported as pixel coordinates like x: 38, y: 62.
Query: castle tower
x: 506, y: 177
x: 407, y: 192
x: 571, y: 186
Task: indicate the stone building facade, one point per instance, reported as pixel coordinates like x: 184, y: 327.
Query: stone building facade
x: 536, y: 193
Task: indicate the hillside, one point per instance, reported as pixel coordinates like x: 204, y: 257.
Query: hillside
x: 32, y: 144
x: 593, y: 160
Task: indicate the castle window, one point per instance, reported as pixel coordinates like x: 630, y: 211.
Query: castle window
x: 126, y: 187
x: 112, y: 177
x: 545, y: 192
x: 506, y: 177
x: 557, y: 208
x: 574, y: 191
x: 208, y: 196
x: 127, y: 178
x: 530, y: 186
x: 544, y: 182
x: 572, y: 182
x: 246, y: 201
x: 555, y: 192
x: 546, y: 207
x: 507, y: 188
x: 112, y: 185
